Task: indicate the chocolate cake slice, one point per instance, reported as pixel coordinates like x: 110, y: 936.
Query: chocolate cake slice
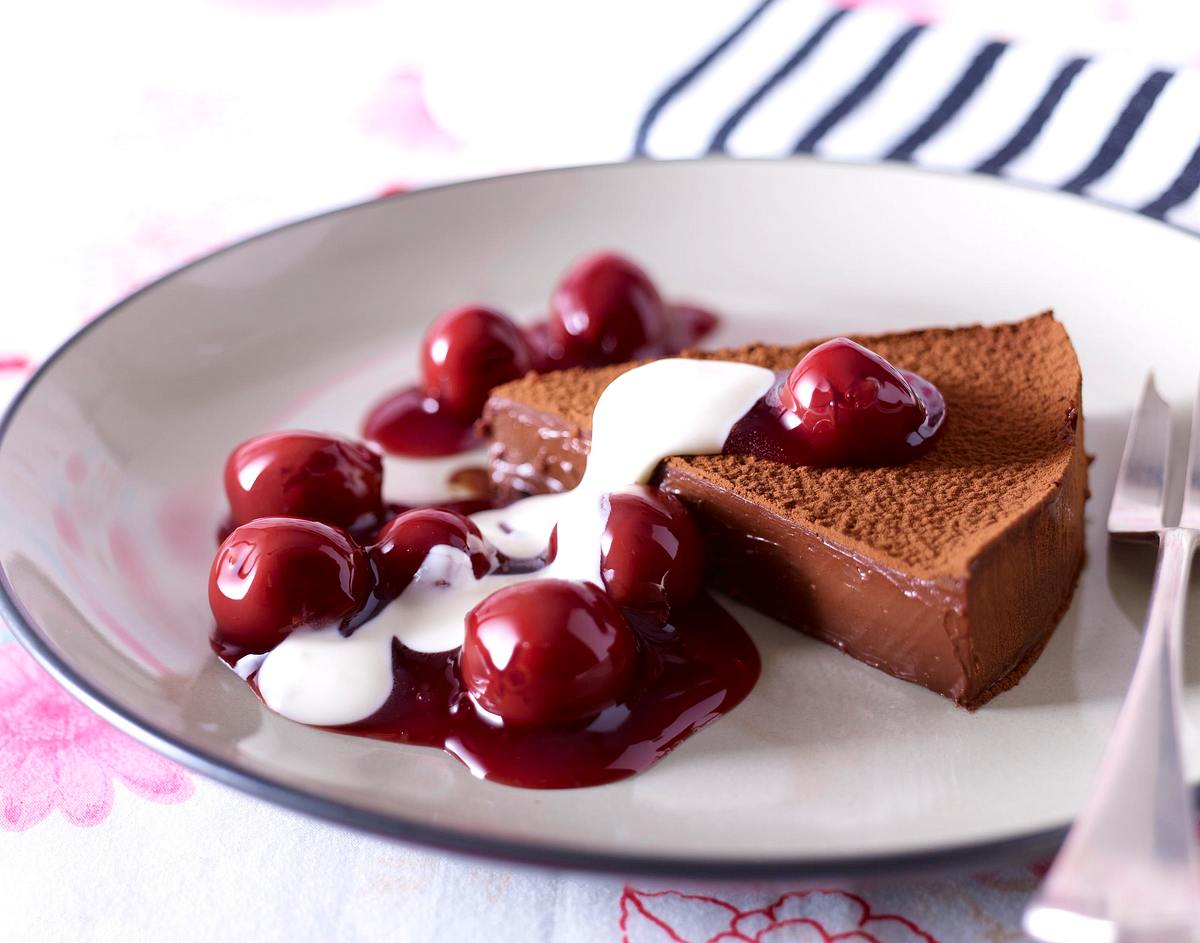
x: 950, y: 571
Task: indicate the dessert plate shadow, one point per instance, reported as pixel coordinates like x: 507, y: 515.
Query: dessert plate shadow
x: 110, y: 464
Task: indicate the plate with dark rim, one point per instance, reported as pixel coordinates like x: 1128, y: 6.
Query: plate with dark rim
x: 110, y: 498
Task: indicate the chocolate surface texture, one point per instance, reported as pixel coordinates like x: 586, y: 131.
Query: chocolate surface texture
x: 951, y: 571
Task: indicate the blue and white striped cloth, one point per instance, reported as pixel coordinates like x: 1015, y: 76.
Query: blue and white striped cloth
x: 802, y: 77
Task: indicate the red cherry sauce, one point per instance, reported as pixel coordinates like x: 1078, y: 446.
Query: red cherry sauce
x: 640, y: 685
x: 686, y: 674
x: 842, y: 405
x: 523, y: 702
x: 412, y: 423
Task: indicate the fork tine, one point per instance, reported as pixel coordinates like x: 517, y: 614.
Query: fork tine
x: 1139, y: 499
x: 1191, y: 493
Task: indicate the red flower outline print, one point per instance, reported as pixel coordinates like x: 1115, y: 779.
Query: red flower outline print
x: 816, y: 916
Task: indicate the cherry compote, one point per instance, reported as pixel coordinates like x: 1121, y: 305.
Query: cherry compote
x: 687, y: 673
x: 413, y: 423
x: 604, y: 310
x: 557, y: 684
x: 842, y: 404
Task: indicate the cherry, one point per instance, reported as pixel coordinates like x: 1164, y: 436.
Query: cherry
x: 842, y: 405
x: 410, y: 422
x: 303, y: 474
x: 548, y: 354
x: 605, y: 310
x: 687, y: 325
x: 848, y: 404
x: 278, y: 574
x: 466, y: 352
x: 651, y: 555
x: 405, y: 541
x: 547, y: 652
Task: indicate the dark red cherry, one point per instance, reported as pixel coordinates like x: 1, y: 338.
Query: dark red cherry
x: 466, y: 352
x: 651, y: 556
x: 849, y: 406
x: 303, y: 474
x: 403, y: 543
x: 411, y: 423
x: 547, y: 652
x: 277, y: 574
x: 605, y: 310
x: 548, y: 354
x: 541, y: 352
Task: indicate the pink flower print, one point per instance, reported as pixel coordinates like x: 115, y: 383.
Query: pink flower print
x: 56, y: 754
x: 818, y: 916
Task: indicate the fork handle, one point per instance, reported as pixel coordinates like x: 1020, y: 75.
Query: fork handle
x: 1128, y: 868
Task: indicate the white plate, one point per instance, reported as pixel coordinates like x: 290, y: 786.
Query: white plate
x: 110, y: 493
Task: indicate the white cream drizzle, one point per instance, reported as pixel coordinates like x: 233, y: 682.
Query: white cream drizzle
x: 423, y: 480
x: 668, y: 407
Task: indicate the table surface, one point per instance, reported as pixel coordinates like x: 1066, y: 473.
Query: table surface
x: 158, y: 132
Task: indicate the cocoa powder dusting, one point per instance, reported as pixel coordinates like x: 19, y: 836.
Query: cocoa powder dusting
x: 1012, y: 393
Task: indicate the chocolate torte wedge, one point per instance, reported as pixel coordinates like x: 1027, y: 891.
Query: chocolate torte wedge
x: 951, y: 571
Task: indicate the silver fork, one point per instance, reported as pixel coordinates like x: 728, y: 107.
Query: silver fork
x: 1128, y: 869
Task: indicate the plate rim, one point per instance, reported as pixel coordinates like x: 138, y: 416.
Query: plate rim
x: 414, y: 831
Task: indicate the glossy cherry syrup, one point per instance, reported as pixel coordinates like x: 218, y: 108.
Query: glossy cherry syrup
x: 555, y: 684
x: 593, y: 692
x: 411, y: 422
x: 687, y: 673
x: 842, y: 405
x: 604, y: 310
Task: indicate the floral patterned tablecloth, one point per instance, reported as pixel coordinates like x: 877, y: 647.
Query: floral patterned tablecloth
x: 146, y: 134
